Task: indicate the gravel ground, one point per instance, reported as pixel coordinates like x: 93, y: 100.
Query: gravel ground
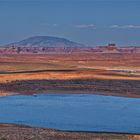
x: 18, y: 132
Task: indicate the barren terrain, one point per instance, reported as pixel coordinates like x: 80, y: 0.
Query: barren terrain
x: 70, y: 73
x: 19, y: 132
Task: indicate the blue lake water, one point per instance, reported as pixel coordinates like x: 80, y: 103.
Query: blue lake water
x: 75, y: 112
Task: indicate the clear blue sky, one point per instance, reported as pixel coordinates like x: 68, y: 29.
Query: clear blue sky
x: 93, y: 22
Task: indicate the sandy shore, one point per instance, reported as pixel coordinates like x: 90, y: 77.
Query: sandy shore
x: 3, y: 93
x: 19, y: 132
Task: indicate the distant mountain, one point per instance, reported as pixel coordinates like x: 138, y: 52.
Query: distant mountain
x: 45, y: 41
x: 56, y: 45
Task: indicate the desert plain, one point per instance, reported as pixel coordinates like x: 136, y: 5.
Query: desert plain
x: 96, y: 73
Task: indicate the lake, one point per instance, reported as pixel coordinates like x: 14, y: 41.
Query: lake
x: 73, y: 112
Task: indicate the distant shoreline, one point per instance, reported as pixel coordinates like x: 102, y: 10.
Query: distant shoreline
x: 67, y: 92
x: 122, y: 88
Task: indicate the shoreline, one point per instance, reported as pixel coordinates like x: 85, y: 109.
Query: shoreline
x: 67, y: 92
x: 59, y: 130
x: 15, y: 132
x: 122, y: 88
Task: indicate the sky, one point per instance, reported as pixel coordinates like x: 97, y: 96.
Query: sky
x: 91, y: 22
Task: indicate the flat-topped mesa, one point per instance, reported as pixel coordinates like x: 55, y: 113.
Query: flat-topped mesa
x: 109, y: 47
x: 112, y: 47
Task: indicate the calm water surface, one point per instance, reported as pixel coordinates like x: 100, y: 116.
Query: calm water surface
x: 79, y: 112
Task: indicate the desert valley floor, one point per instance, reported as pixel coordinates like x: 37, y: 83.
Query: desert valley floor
x: 113, y: 74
